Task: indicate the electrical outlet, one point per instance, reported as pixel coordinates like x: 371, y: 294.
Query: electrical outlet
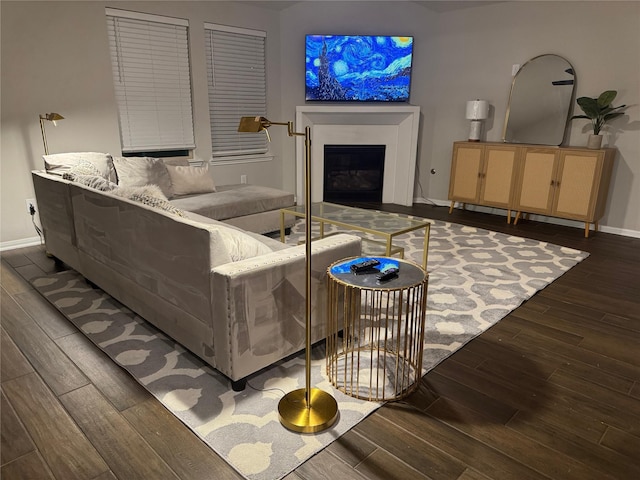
x: 243, y: 179
x: 31, y: 202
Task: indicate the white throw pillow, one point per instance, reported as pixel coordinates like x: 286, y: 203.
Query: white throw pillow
x: 186, y: 180
x: 140, y: 171
x: 93, y: 181
x: 150, y: 195
x: 59, y: 163
x: 239, y: 245
x: 149, y: 190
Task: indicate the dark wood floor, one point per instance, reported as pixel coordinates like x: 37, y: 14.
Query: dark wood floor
x: 551, y: 391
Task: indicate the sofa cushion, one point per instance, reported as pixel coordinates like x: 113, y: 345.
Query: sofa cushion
x: 230, y: 201
x: 59, y: 163
x: 187, y: 180
x: 140, y: 171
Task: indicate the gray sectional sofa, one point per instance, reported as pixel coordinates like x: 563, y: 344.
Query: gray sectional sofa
x: 233, y: 297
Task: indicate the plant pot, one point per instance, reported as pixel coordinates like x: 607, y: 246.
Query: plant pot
x: 594, y: 142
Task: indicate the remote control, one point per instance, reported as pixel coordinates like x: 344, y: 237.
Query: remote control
x: 367, y: 266
x: 388, y: 274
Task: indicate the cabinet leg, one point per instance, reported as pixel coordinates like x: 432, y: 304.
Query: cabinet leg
x: 508, y: 216
x: 515, y: 221
x: 586, y: 229
x: 451, y: 207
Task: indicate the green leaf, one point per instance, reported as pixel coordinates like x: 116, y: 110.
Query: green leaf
x: 606, y: 98
x: 612, y: 115
x: 589, y: 106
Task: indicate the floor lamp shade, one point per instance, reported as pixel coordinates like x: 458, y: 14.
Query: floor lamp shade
x: 306, y: 410
x: 50, y: 117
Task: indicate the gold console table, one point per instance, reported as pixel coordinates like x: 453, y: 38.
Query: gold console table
x: 375, y: 334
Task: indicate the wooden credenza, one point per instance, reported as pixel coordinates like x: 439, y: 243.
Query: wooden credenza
x: 564, y: 182
x: 483, y: 174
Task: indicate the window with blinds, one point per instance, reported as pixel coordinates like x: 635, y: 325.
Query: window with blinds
x: 151, y: 74
x: 237, y: 88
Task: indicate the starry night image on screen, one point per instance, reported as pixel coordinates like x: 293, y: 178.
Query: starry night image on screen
x: 358, y: 68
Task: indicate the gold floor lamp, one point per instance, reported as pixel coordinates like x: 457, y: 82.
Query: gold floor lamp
x: 51, y: 117
x: 306, y: 410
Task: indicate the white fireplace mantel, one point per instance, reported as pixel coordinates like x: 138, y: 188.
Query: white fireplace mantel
x: 395, y: 126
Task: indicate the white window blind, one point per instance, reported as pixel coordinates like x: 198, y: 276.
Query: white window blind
x: 237, y: 88
x: 150, y: 59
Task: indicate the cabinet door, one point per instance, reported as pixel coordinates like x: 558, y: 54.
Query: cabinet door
x: 464, y: 185
x: 537, y: 181
x: 498, y: 174
x: 577, y: 182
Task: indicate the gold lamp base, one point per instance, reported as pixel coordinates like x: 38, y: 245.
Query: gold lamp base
x: 319, y: 415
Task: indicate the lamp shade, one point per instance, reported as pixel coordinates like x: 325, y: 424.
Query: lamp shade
x: 53, y: 117
x: 477, y: 110
x: 253, y: 124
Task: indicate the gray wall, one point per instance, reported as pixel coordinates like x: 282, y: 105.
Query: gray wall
x: 468, y: 53
x: 55, y: 57
x: 365, y: 18
x: 477, y: 48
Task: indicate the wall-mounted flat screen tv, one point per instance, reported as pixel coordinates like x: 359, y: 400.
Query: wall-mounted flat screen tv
x: 358, y: 68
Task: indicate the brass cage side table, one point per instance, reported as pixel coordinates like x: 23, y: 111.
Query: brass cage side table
x: 375, y: 331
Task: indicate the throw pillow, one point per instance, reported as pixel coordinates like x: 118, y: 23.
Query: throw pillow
x: 86, y: 173
x: 93, y: 181
x: 239, y: 245
x: 83, y: 167
x: 141, y: 171
x: 176, y: 161
x: 186, y: 180
x: 59, y: 163
x: 150, y: 195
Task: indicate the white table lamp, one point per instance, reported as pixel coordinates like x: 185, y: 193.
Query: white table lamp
x: 477, y: 111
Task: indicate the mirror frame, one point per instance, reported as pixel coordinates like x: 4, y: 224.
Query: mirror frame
x: 569, y: 106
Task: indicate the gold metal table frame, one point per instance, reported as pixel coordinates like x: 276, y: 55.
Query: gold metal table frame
x: 381, y: 224
x: 375, y: 332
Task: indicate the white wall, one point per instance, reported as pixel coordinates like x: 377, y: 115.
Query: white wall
x: 55, y: 58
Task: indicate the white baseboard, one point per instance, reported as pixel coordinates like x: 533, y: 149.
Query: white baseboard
x: 24, y: 242
x: 538, y: 218
x: 431, y: 201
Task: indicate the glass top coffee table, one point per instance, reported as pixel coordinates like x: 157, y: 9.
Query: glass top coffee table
x: 379, y: 224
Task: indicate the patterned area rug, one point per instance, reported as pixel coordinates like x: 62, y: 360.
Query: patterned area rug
x: 476, y: 278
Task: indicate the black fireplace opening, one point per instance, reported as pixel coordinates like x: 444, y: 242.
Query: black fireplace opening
x: 353, y: 173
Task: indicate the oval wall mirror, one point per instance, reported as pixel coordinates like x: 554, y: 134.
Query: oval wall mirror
x: 540, y: 101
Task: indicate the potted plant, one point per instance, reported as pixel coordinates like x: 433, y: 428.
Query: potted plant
x: 599, y: 111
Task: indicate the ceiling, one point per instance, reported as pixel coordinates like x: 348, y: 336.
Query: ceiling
x: 434, y: 5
